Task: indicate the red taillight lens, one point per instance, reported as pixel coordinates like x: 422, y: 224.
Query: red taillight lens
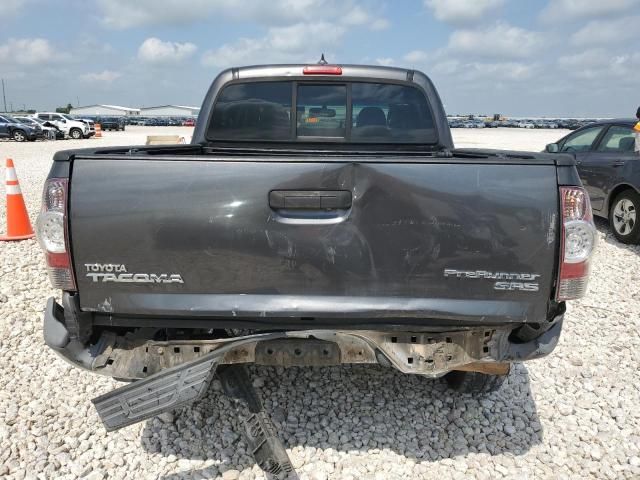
x: 51, y: 230
x: 578, y: 241
x: 322, y: 70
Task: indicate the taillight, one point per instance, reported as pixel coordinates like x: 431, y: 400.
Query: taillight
x: 322, y: 70
x: 51, y: 230
x: 578, y: 242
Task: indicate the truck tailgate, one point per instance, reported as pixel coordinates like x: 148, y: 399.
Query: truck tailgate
x: 208, y: 238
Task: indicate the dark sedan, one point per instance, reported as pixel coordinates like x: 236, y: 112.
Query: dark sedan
x: 20, y: 132
x: 111, y: 123
x: 610, y: 171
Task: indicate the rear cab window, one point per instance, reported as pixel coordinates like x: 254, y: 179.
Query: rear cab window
x: 321, y: 111
x: 390, y: 113
x: 253, y: 111
x: 302, y: 111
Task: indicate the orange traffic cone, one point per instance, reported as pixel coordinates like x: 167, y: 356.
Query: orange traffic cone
x: 98, y: 129
x: 18, y: 224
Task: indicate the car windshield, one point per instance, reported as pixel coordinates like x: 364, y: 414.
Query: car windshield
x: 11, y: 119
x: 349, y: 112
x: 24, y: 120
x: 67, y: 117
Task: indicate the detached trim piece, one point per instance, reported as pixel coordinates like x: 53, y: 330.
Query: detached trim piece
x: 164, y: 391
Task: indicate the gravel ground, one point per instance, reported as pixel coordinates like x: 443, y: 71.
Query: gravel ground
x: 573, y: 414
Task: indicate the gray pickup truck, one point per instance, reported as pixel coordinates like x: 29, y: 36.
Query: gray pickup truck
x: 320, y: 216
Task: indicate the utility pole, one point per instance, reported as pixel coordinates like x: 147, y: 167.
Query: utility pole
x: 3, y: 96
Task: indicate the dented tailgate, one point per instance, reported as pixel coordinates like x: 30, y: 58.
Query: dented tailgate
x: 346, y: 239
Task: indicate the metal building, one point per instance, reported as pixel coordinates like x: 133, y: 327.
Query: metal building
x: 105, y: 111
x: 170, y: 111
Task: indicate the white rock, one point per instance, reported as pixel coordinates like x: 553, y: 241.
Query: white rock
x: 95, y: 475
x: 231, y: 475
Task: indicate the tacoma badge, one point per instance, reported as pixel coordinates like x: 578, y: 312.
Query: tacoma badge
x: 115, y: 272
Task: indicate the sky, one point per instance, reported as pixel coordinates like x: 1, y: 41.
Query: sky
x: 566, y: 58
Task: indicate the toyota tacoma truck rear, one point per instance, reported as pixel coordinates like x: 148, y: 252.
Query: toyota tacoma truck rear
x: 320, y: 216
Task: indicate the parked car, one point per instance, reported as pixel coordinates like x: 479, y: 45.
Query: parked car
x: 48, y: 132
x: 526, y: 125
x: 610, y: 171
x: 75, y: 129
x: 59, y: 134
x: 90, y: 122
x: 189, y: 122
x: 137, y: 120
x: 156, y: 122
x: 20, y: 132
x: 112, y: 123
x: 267, y: 241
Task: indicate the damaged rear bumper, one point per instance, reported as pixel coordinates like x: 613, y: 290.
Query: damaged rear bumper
x: 176, y: 373
x: 132, y: 356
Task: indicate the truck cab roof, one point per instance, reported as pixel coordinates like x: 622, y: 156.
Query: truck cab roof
x: 346, y: 71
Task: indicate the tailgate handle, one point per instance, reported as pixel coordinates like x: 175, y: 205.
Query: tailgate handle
x: 310, y: 199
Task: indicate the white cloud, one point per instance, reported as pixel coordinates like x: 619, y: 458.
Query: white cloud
x: 588, y: 59
x: 123, y: 14
x: 29, y: 51
x: 385, y: 62
x: 90, y: 46
x: 154, y: 50
x: 447, y: 67
x: 602, y: 65
x: 415, y: 57
x: 461, y: 11
x: 303, y: 37
x: 106, y: 76
x: 567, y: 10
x: 491, y: 71
x: 356, y: 16
x: 603, y: 32
x: 498, y: 41
x: 502, y: 70
x: 237, y: 53
x: 281, y: 44
x: 380, y: 24
x: 11, y: 7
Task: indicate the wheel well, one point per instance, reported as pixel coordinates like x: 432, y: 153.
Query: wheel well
x: 617, y: 191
